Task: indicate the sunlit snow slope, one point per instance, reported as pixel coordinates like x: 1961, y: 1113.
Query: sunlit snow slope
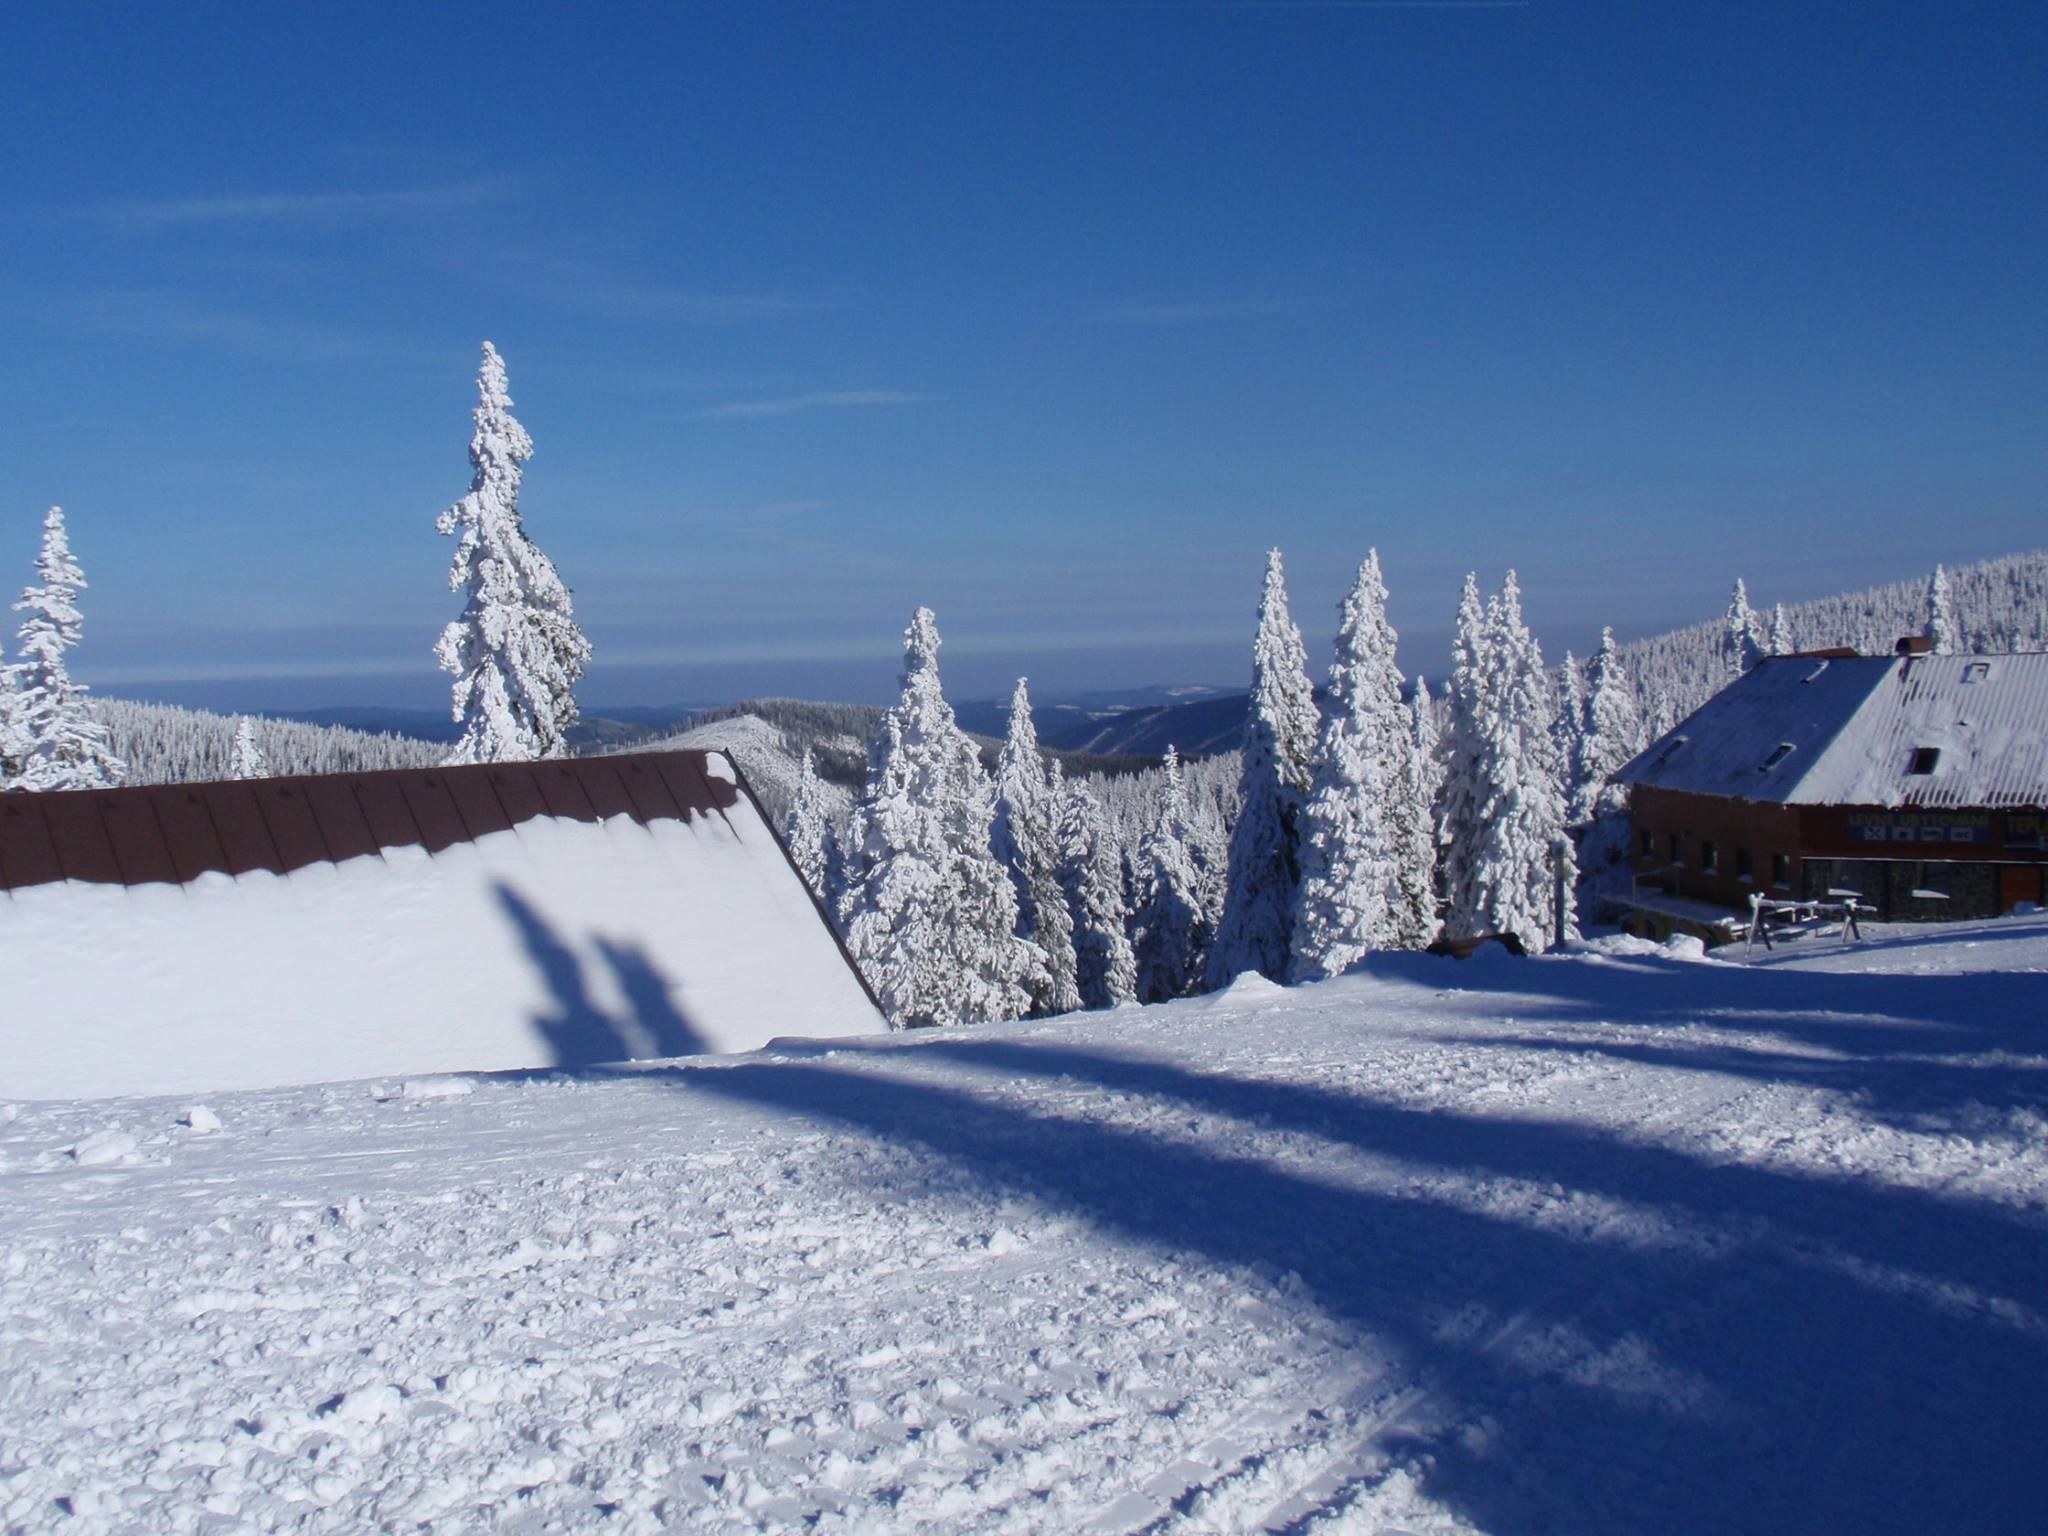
x: 1606, y: 1243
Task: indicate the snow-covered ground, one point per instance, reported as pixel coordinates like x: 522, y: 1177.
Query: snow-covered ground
x: 1610, y: 1242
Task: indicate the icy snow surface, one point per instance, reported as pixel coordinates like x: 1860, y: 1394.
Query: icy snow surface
x: 1598, y: 1243
x: 557, y: 943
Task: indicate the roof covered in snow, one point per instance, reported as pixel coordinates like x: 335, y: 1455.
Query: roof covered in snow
x: 1934, y: 731
x: 174, y: 833
x: 476, y: 918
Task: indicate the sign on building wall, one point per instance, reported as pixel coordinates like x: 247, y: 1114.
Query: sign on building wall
x: 1920, y: 826
x: 2026, y: 829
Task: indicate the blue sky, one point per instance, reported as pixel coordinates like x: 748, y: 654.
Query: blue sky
x: 1052, y: 316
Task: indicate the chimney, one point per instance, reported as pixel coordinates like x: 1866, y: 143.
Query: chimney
x: 1914, y: 645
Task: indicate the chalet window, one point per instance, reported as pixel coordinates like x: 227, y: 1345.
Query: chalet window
x: 1649, y: 843
x: 1781, y: 871
x: 1745, y: 868
x: 1674, y: 846
x: 1930, y: 882
x: 1709, y: 859
x: 1779, y: 753
x: 1924, y: 759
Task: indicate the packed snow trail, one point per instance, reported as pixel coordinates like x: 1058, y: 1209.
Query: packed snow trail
x: 1611, y: 1242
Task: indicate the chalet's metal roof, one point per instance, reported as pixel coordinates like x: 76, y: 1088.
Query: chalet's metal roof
x: 1945, y: 732
x: 177, y: 832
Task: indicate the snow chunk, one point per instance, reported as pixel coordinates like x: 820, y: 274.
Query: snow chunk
x: 718, y: 768
x: 200, y: 1120
x: 102, y: 1147
x: 1685, y: 946
x: 436, y: 1088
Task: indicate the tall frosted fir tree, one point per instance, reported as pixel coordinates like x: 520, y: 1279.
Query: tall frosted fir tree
x: 1742, y: 634
x: 248, y: 761
x: 1023, y: 840
x: 1598, y: 807
x: 57, y: 743
x: 1517, y: 841
x: 13, y: 725
x: 929, y: 915
x: 1172, y: 923
x: 1349, y: 900
x: 1942, y: 629
x: 1460, y: 796
x: 1415, y: 842
x: 1277, y: 763
x: 808, y: 833
x: 1090, y: 872
x: 1782, y: 641
x: 516, y: 652
x: 1614, y: 734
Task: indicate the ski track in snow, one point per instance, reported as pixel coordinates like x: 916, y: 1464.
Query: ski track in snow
x: 1611, y: 1242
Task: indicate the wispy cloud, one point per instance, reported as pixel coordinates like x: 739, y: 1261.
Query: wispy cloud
x: 150, y: 314
x: 306, y: 207
x: 781, y: 511
x: 589, y: 288
x: 1197, y: 313
x: 789, y: 405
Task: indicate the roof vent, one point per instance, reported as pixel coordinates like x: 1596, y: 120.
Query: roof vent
x: 1670, y: 751
x: 1779, y: 753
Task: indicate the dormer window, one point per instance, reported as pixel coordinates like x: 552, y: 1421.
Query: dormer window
x: 1977, y: 672
x: 1924, y: 759
x: 1779, y: 753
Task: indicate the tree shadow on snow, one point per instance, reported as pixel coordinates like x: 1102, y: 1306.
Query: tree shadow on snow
x: 576, y: 1029
x: 1686, y: 1347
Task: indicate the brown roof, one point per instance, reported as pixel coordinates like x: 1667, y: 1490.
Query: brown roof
x: 176, y: 832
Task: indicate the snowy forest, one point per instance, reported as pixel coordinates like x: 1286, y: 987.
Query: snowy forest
x: 978, y: 881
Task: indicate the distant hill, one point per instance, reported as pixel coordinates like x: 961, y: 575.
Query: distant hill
x: 767, y: 738
x: 1207, y: 725
x: 1062, y: 714
x: 595, y: 730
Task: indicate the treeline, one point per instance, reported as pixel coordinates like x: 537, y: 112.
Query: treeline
x: 1998, y: 606
x: 168, y: 744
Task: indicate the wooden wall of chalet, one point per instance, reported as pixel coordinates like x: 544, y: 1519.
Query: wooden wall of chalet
x: 2006, y: 849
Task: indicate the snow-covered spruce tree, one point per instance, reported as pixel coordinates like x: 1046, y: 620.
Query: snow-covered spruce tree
x: 1598, y: 809
x: 1614, y: 734
x: 59, y: 742
x: 516, y: 652
x: 1276, y: 766
x: 1090, y: 870
x: 1349, y: 899
x: 1568, y: 727
x: 1022, y: 838
x: 1468, y: 710
x: 1741, y: 634
x: 13, y: 726
x: 1415, y: 837
x: 1172, y: 930
x: 1782, y: 641
x: 1942, y: 629
x: 808, y: 833
x: 249, y: 761
x: 1519, y: 843
x: 929, y: 915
